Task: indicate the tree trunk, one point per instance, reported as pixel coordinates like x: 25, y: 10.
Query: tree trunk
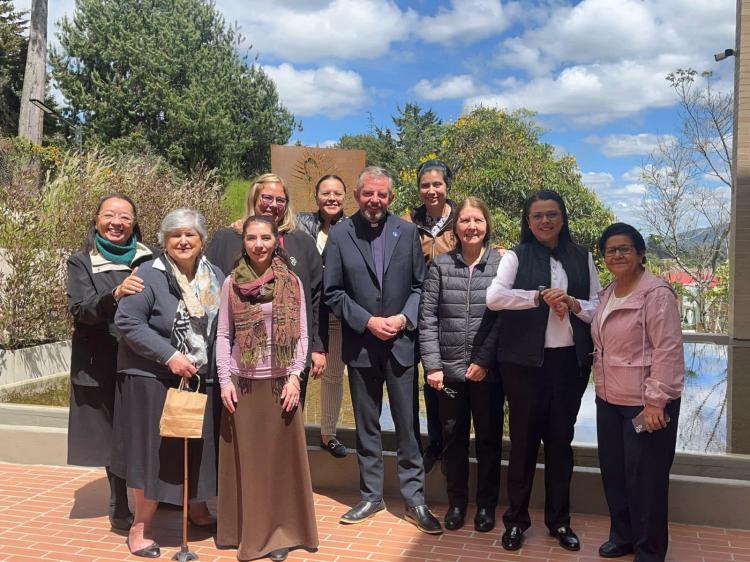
x: 34, y: 79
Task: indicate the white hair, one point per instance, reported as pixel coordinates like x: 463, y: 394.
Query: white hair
x: 183, y: 218
x: 374, y: 172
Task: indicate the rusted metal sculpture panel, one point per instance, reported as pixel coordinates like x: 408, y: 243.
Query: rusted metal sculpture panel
x: 302, y: 166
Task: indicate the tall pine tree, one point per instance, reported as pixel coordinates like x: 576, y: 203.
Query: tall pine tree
x: 166, y: 74
x: 12, y: 60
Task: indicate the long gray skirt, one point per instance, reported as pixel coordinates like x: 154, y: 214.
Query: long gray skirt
x: 265, y: 492
x: 90, y: 424
x: 153, y: 463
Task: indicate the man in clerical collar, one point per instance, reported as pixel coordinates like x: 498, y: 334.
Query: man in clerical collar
x: 373, y: 283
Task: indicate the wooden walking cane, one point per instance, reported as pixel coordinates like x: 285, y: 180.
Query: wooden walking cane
x: 185, y: 554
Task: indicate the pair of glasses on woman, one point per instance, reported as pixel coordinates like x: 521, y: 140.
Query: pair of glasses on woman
x: 112, y: 216
x: 622, y: 250
x: 270, y: 199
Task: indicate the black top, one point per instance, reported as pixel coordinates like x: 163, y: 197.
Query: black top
x: 93, y: 360
x: 521, y: 333
x: 225, y: 249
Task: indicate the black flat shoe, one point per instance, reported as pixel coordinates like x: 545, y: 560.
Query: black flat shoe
x: 484, y: 520
x: 454, y: 518
x: 279, y: 554
x: 611, y: 550
x: 150, y: 551
x: 335, y: 447
x: 512, y: 538
x: 567, y: 538
x: 121, y: 523
x: 423, y: 519
x: 362, y: 511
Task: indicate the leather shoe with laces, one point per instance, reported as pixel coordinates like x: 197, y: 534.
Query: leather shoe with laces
x: 423, y: 519
x: 512, y: 538
x: 454, y: 518
x: 335, y: 447
x: 567, y: 538
x: 612, y: 550
x: 484, y: 520
x: 362, y: 511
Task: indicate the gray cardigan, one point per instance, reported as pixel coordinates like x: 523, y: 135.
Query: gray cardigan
x: 145, y: 321
x: 454, y: 320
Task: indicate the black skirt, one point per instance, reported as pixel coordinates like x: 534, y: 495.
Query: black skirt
x: 90, y: 424
x: 153, y: 463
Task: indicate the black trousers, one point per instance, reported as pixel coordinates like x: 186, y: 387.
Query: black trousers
x: 543, y: 403
x: 482, y: 402
x: 434, y: 423
x: 366, y: 386
x: 635, y: 472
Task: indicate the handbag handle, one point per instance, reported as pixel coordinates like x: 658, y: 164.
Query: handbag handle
x: 184, y: 384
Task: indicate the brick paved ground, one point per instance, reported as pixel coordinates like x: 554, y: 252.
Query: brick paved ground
x: 59, y: 513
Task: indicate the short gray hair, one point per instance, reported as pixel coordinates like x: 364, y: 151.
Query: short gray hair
x: 374, y: 172
x: 182, y: 218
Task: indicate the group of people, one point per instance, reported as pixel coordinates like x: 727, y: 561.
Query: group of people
x: 277, y: 299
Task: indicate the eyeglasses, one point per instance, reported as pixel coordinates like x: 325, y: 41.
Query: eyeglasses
x: 127, y: 219
x: 622, y: 250
x: 269, y: 199
x: 549, y: 215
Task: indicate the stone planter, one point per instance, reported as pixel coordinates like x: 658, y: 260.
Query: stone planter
x: 19, y: 365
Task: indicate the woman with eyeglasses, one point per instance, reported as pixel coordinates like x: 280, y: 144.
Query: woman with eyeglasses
x: 102, y: 273
x: 546, y: 288
x: 639, y: 370
x: 454, y: 323
x: 269, y: 196
x: 434, y: 220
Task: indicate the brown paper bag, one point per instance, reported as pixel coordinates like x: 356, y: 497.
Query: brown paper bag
x: 183, y: 412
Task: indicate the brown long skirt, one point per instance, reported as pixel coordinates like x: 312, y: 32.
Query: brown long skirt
x: 265, y: 493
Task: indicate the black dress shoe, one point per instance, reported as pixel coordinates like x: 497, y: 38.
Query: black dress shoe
x: 454, y: 518
x: 611, y: 550
x: 423, y: 519
x: 362, y: 511
x: 151, y: 551
x: 512, y: 538
x: 335, y: 447
x: 121, y: 523
x: 484, y: 520
x: 567, y: 538
x: 279, y: 554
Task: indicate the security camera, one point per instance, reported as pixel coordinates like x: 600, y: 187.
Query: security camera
x: 723, y: 55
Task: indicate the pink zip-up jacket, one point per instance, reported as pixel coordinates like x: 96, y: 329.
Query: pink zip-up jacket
x: 638, y: 356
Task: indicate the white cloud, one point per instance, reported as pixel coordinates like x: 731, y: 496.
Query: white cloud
x: 328, y: 90
x: 447, y: 87
x: 589, y: 93
x: 624, y: 200
x: 328, y: 143
x: 616, y: 145
x: 633, y: 174
x: 303, y: 31
x: 466, y: 21
x: 600, y: 60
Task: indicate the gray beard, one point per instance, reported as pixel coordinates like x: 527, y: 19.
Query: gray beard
x: 373, y: 217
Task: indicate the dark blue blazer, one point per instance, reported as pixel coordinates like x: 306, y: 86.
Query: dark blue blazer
x: 353, y: 293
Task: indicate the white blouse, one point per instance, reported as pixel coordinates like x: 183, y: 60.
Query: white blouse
x: 502, y: 296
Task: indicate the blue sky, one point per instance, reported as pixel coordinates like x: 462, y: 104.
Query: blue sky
x: 593, y: 70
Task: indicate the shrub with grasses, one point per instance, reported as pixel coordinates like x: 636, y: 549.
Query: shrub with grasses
x: 48, y: 200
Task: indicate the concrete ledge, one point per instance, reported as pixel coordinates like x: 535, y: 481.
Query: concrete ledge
x: 694, y: 497
x: 33, y: 362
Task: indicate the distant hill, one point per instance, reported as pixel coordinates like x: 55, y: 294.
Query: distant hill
x: 691, y: 239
